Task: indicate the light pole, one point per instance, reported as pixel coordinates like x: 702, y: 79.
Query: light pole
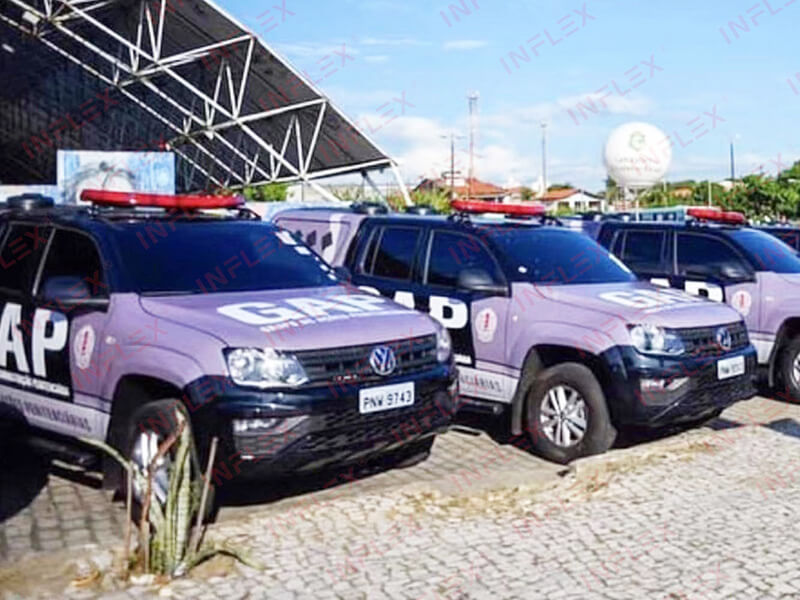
x: 544, y: 157
x: 452, y: 137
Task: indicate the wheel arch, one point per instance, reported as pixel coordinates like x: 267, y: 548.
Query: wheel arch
x: 541, y: 357
x: 788, y: 330
x: 131, y: 391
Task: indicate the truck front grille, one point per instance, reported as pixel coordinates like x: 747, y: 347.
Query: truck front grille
x: 350, y: 365
x: 702, y: 341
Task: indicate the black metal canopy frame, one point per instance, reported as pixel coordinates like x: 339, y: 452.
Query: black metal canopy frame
x: 178, y: 75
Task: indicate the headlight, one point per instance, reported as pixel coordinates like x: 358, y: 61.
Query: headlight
x: 652, y: 339
x: 264, y: 368
x: 444, y: 346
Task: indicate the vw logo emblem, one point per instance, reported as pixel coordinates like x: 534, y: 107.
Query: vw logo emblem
x: 724, y: 339
x: 383, y: 361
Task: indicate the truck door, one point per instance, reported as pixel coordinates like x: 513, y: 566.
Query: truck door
x: 389, y: 264
x: 709, y: 266
x: 644, y: 251
x: 70, y: 304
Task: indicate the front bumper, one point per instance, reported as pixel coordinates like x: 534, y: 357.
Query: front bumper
x: 691, y: 386
x: 317, y: 427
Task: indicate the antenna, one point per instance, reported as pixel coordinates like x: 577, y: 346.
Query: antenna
x: 473, y: 132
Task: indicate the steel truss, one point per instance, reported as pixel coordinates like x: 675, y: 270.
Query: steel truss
x: 223, y: 122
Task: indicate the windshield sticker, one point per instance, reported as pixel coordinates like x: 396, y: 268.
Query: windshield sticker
x: 743, y: 302
x: 486, y: 325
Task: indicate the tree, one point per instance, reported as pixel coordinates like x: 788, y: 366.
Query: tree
x: 271, y: 192
x: 439, y: 200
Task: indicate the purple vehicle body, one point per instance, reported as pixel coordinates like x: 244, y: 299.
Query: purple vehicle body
x: 746, y: 268
x: 242, y: 327
x: 546, y: 325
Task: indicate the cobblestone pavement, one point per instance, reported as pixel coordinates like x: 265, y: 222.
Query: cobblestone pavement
x: 709, y: 513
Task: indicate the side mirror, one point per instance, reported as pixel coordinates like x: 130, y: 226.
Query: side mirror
x: 478, y: 280
x: 71, y: 292
x: 734, y: 273
x: 343, y: 273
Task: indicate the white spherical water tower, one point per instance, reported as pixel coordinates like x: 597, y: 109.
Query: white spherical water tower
x: 637, y: 156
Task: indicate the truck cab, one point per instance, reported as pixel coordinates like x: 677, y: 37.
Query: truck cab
x: 715, y: 255
x: 547, y: 326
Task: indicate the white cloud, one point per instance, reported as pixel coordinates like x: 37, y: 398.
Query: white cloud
x: 465, y: 44
x: 376, y: 58
x: 406, y: 41
x: 315, y: 50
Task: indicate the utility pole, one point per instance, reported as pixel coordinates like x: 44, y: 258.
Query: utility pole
x: 733, y: 165
x: 544, y: 158
x: 473, y: 125
x: 452, y: 137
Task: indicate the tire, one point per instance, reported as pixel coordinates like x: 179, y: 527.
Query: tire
x: 157, y: 419
x: 788, y: 377
x: 560, y: 440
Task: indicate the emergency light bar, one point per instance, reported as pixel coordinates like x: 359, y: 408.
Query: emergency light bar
x: 137, y: 199
x: 717, y: 216
x: 484, y: 206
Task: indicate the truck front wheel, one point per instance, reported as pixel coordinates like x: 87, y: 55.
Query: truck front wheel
x: 151, y: 425
x: 789, y: 368
x: 567, y: 416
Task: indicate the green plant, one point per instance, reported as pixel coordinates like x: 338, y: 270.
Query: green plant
x: 270, y: 192
x: 439, y: 200
x: 169, y: 544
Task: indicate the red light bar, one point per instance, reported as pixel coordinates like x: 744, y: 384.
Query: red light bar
x: 133, y: 199
x: 484, y: 206
x: 716, y: 215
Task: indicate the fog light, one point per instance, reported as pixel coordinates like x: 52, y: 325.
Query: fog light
x: 244, y: 426
x: 662, y: 385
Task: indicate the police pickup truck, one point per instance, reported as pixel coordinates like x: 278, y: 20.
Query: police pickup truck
x: 546, y: 325
x: 116, y: 314
x: 715, y: 255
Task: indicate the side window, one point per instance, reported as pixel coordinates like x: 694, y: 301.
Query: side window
x: 20, y: 257
x: 705, y: 256
x: 451, y: 253
x: 393, y: 253
x: 74, y: 255
x: 643, y: 250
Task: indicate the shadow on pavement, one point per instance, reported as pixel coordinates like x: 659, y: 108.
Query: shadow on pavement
x: 497, y: 428
x: 23, y: 476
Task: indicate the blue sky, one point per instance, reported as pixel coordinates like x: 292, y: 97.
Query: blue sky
x: 680, y: 65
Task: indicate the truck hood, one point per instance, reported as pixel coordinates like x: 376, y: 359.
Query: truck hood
x: 299, y: 319
x: 635, y: 302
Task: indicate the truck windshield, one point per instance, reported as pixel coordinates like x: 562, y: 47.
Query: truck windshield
x: 559, y: 257
x: 766, y: 252
x: 167, y: 258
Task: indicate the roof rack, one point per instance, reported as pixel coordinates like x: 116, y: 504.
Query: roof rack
x: 422, y: 211
x: 111, y: 199
x: 29, y: 202
x: 369, y: 208
x: 715, y: 215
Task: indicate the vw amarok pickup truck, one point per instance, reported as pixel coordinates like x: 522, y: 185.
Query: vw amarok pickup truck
x: 544, y: 322
x: 713, y: 254
x: 116, y: 313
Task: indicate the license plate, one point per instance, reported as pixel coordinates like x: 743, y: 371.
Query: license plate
x: 386, y: 397
x: 730, y: 367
